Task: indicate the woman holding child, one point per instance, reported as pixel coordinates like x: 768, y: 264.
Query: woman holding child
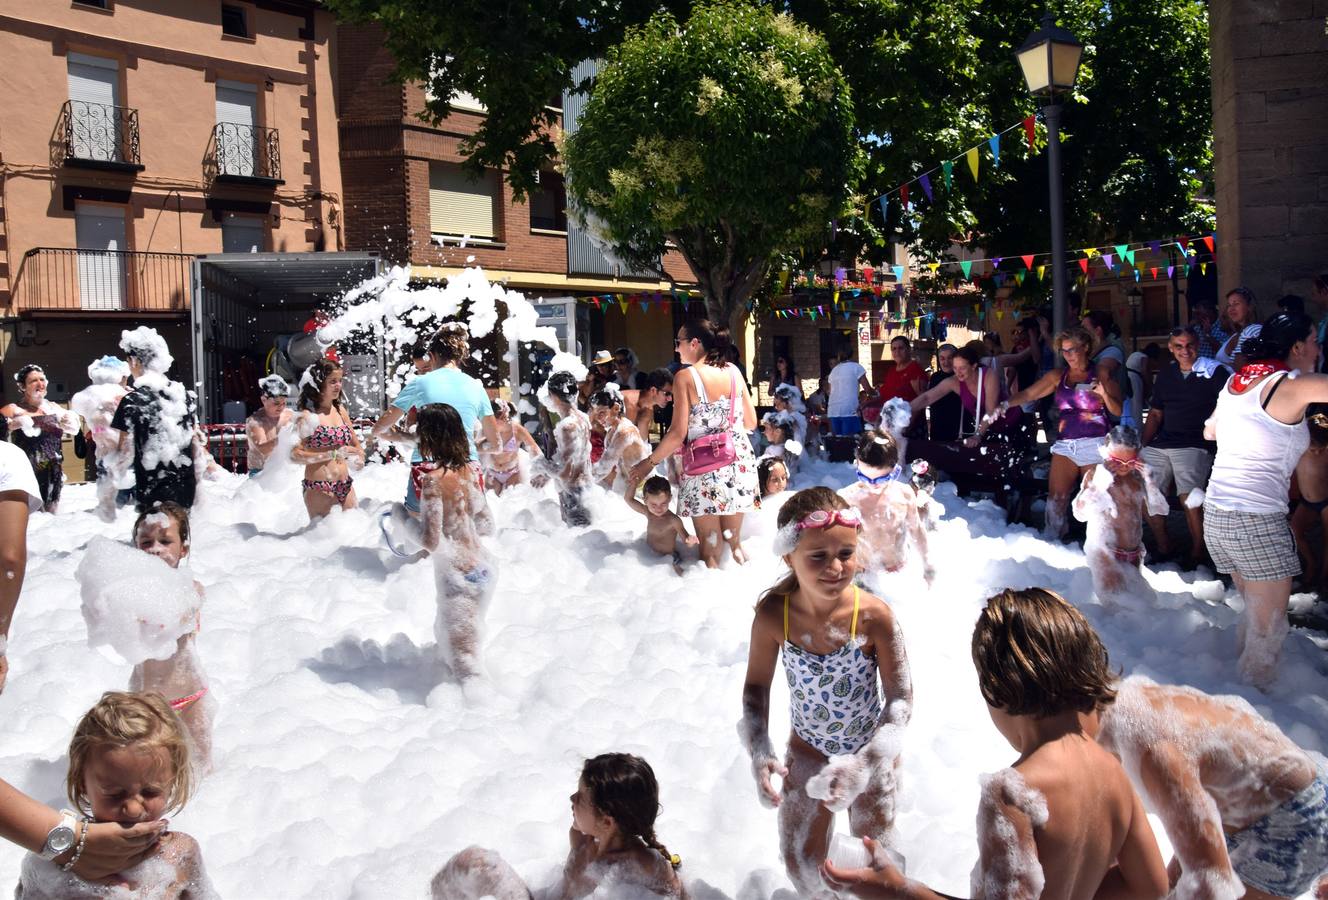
x: 711, y: 418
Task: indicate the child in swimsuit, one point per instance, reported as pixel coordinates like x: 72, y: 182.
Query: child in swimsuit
x: 164, y: 533
x: 623, y: 445
x: 888, y: 506
x: 664, y: 528
x: 779, y: 429
x: 97, y: 403
x: 570, y: 466
x: 1312, y: 480
x: 772, y: 475
x: 262, y: 429
x: 453, y: 516
x: 128, y: 763
x: 1245, y: 808
x: 1112, y: 500
x: 1063, y: 820
x: 328, y: 444
x: 841, y: 648
x: 503, y: 466
x: 614, y: 851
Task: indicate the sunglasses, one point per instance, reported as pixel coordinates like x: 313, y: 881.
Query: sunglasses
x: 825, y: 518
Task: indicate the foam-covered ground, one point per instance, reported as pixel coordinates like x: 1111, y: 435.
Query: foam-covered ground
x: 346, y: 766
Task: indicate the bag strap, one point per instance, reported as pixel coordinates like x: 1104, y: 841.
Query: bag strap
x: 734, y: 400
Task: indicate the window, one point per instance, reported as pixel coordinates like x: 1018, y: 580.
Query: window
x: 460, y: 206
x: 234, y: 22
x: 95, y: 4
x: 94, y: 96
x: 241, y: 234
x: 548, y: 204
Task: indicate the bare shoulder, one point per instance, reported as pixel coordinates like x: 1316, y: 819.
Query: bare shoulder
x: 179, y: 848
x: 873, y: 612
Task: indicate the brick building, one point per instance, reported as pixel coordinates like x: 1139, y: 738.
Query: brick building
x: 138, y: 135
x: 408, y: 198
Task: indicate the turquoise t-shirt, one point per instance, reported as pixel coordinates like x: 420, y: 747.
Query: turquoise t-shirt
x: 453, y: 387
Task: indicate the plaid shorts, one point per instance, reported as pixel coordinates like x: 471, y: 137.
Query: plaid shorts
x: 1256, y: 546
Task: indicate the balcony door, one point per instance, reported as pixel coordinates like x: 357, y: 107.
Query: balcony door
x: 100, y: 234
x: 237, y: 132
x: 94, y: 100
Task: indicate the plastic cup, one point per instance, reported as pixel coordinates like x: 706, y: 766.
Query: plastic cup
x: 848, y: 852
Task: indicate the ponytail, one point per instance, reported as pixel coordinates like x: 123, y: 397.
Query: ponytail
x: 710, y: 339
x: 1277, y: 336
x: 653, y: 843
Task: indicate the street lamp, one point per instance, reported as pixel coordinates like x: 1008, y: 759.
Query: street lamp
x: 1135, y: 298
x: 1049, y: 59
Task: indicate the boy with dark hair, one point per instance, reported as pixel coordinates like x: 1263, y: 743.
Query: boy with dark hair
x: 663, y: 526
x: 1063, y: 822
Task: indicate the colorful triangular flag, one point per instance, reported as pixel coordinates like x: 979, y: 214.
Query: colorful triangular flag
x: 995, y: 143
x: 1129, y: 256
x: 1041, y: 270
x: 899, y: 272
x: 1029, y: 130
x: 947, y: 168
x: 1028, y: 261
x: 1208, y: 239
x: 926, y: 186
x: 1120, y: 250
x: 903, y: 195
x: 1083, y: 265
x: 1106, y: 258
x: 972, y: 155
x: 885, y: 212
x: 966, y: 266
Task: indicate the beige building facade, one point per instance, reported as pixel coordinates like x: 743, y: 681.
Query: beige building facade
x: 138, y: 134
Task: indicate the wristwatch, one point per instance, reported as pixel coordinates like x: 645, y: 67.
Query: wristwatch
x: 60, y: 839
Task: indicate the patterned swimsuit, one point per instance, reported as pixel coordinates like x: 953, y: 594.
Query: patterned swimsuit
x: 329, y: 437
x: 834, y: 701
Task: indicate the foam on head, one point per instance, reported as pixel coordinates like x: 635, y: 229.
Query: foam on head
x: 108, y: 370
x: 148, y: 347
x: 273, y: 386
x: 1123, y: 437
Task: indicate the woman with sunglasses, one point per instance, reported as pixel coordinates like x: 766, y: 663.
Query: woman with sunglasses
x: 843, y: 752
x: 1085, y: 395
x: 712, y: 415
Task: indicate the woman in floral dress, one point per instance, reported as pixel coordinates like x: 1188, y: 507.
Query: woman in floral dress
x: 703, y: 404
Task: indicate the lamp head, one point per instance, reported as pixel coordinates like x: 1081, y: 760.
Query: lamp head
x: 1050, y: 58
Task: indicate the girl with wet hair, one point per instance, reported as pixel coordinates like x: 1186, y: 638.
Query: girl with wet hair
x: 570, y: 466
x: 883, y: 495
x: 38, y: 426
x: 842, y: 650
x: 614, y: 851
x: 623, y: 445
x: 329, y: 445
x: 502, y: 466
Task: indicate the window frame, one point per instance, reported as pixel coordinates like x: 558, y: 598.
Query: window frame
x: 246, y: 12
x: 560, y: 214
x: 263, y: 228
x: 448, y: 238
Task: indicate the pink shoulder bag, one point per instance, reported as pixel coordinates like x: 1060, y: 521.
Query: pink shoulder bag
x: 713, y: 451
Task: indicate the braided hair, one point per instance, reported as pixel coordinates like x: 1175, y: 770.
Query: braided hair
x: 623, y: 787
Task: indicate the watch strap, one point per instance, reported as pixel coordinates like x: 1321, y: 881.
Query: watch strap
x: 68, y: 821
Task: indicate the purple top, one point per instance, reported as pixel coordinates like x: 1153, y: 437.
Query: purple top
x: 1083, y: 414
x: 970, y: 402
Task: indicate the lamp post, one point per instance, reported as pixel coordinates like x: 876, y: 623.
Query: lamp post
x: 1049, y: 59
x: 1135, y: 298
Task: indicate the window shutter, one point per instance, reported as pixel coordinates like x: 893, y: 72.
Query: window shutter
x: 459, y: 206
x: 93, y: 79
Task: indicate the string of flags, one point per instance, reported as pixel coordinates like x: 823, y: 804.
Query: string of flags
x: 972, y: 156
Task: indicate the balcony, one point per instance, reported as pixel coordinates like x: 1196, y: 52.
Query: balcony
x: 243, y: 154
x: 98, y: 136
x: 66, y: 281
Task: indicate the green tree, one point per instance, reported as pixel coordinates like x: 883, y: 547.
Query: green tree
x: 731, y: 136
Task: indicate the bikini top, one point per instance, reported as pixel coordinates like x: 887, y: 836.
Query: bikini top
x: 329, y: 437
x: 834, y: 698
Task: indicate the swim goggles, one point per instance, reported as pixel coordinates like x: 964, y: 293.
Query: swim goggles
x: 825, y: 518
x: 892, y: 475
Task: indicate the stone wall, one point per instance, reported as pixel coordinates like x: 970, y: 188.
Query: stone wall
x: 1270, y: 133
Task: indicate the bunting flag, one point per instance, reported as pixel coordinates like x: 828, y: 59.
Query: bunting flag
x: 1184, y: 244
x: 1170, y: 270
x: 1121, y: 248
x: 1019, y: 278
x: 1155, y: 246
x: 1028, y: 261
x: 996, y: 261
x: 645, y: 305
x: 1208, y: 240
x: 926, y: 186
x: 966, y: 266
x: 841, y: 275
x: 972, y: 156
x: 1106, y: 258
x: 622, y: 303
x: 885, y: 212
x: 1040, y: 271
x: 1153, y: 271
x: 947, y: 168
x: 868, y: 274
x: 1088, y: 252
x: 899, y: 272
x: 1203, y: 268
x: 933, y: 267
x: 995, y: 143
x: 1129, y: 255
x: 1030, y: 131
x: 834, y: 298
x: 1083, y: 265
x: 903, y: 195
x: 1136, y: 275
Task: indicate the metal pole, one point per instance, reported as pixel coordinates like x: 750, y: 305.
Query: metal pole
x: 1059, y: 291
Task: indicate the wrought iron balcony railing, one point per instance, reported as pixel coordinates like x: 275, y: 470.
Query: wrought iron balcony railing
x: 98, y: 136
x: 245, y: 154
x: 68, y: 280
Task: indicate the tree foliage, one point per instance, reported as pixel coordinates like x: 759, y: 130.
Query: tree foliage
x: 731, y: 136
x: 928, y: 81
